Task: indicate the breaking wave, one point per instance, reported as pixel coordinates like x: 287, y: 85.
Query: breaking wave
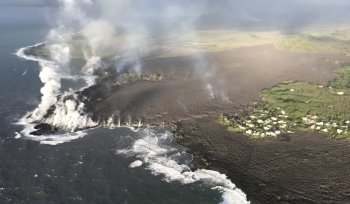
x: 46, y: 139
x: 153, y: 152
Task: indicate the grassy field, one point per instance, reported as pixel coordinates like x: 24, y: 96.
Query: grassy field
x: 313, y: 43
x: 301, y: 106
x: 308, y: 40
x: 298, y: 106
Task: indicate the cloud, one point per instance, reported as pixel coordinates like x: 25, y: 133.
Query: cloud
x: 28, y: 3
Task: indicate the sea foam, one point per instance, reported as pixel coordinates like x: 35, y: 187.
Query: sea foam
x: 151, y: 150
x: 162, y: 159
x: 68, y: 111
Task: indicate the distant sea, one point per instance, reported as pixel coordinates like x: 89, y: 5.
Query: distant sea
x: 92, y: 169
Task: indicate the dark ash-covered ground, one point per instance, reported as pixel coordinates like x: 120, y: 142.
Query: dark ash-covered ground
x: 297, y: 168
x: 236, y: 77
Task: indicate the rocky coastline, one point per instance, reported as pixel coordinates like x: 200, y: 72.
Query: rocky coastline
x: 291, y: 168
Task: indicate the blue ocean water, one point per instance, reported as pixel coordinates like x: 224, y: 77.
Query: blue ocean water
x: 87, y: 170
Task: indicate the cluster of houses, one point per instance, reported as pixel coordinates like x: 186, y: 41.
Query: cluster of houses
x: 327, y: 126
x: 264, y: 123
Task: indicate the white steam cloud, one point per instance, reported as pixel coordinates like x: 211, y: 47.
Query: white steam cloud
x: 51, y: 78
x: 69, y: 114
x: 139, y: 22
x: 97, y: 22
x: 98, y: 33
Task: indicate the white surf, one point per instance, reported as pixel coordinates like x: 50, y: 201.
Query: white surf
x: 153, y: 152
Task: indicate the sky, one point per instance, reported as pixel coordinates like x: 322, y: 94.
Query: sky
x: 26, y: 3
x: 284, y: 13
x: 256, y: 3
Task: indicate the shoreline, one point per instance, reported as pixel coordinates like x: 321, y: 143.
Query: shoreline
x: 288, y: 169
x: 211, y: 144
x: 227, y: 156
x: 216, y: 180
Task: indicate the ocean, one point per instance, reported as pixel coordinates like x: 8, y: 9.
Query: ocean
x: 119, y: 165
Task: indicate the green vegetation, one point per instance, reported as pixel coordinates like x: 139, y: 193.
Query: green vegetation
x: 298, y: 106
x: 319, y: 40
x: 216, y: 41
x: 106, y: 76
x: 126, y: 77
x: 303, y: 43
x: 313, y: 43
x: 308, y: 40
x: 343, y: 81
